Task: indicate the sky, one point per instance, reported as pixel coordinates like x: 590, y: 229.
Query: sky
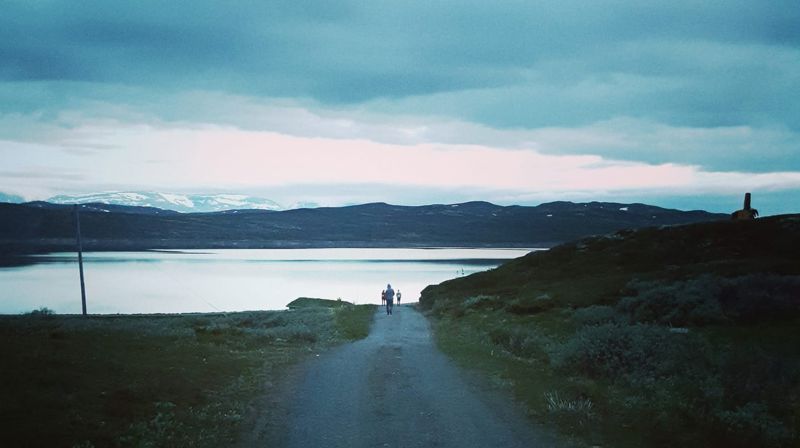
x: 684, y: 104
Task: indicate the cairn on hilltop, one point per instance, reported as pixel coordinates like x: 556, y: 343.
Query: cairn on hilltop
x: 745, y: 213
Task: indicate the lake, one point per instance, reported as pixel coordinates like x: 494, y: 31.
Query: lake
x: 232, y: 279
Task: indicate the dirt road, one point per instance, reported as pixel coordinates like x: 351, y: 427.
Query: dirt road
x: 395, y: 389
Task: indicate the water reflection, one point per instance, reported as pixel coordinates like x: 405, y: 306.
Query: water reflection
x: 232, y: 280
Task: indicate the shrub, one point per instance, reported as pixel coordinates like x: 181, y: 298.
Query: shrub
x: 164, y: 429
x: 480, y: 302
x: 709, y: 299
x: 295, y: 333
x: 638, y: 353
x: 691, y: 302
x: 595, y: 315
x: 274, y: 320
x: 525, y: 343
x: 531, y: 305
x: 449, y: 306
x: 217, y: 331
x: 756, y: 297
x: 42, y: 311
x: 753, y: 425
x: 582, y: 408
x: 744, y: 395
x: 354, y: 321
x: 752, y: 374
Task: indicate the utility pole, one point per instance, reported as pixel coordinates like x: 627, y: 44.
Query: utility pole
x: 80, y: 256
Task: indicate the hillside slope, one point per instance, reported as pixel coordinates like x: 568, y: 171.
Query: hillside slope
x: 605, y: 264
x: 675, y: 336
x: 39, y: 227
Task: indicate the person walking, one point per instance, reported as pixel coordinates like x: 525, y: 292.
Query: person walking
x: 383, y: 297
x: 399, y: 294
x: 389, y: 299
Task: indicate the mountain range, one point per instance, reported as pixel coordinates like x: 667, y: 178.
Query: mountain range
x: 43, y: 227
x: 5, y: 197
x: 184, y: 203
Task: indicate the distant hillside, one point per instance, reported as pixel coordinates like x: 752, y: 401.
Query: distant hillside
x: 104, y: 208
x: 676, y: 336
x: 36, y: 227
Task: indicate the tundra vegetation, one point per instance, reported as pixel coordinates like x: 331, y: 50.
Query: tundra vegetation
x: 672, y: 336
x: 154, y: 380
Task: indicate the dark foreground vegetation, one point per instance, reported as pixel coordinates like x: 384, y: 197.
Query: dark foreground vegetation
x: 153, y: 380
x: 676, y: 336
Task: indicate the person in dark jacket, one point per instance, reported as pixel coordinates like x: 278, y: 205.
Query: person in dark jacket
x: 389, y: 299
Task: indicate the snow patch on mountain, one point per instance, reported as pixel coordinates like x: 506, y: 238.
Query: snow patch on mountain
x: 178, y: 199
x: 12, y: 198
x: 132, y: 196
x: 231, y: 199
x: 189, y: 203
x: 302, y: 204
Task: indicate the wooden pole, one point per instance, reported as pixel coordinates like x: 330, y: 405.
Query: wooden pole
x: 80, y: 257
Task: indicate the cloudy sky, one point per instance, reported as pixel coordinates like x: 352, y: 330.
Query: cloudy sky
x: 686, y: 104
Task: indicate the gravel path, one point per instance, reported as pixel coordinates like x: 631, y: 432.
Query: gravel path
x: 395, y: 389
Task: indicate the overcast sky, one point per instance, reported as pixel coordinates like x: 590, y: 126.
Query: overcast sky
x: 686, y: 104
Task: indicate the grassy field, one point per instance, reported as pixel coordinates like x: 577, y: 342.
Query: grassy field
x: 679, y: 336
x: 153, y: 380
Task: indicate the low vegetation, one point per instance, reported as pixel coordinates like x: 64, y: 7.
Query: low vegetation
x: 678, y: 336
x: 153, y: 380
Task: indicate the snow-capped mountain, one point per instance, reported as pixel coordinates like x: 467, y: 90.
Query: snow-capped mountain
x: 303, y: 204
x: 186, y: 203
x: 12, y: 198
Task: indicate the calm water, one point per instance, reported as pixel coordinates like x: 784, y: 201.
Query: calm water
x: 232, y: 280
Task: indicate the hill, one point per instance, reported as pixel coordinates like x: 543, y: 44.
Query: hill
x: 41, y: 227
x: 676, y: 336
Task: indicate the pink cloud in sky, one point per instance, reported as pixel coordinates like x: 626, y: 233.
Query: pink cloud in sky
x: 214, y: 158
x: 229, y: 156
x: 224, y: 156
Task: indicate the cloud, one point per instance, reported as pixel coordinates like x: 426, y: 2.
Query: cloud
x: 655, y: 95
x: 735, y: 148
x: 42, y: 174
x: 517, y: 64
x: 213, y: 157
x: 732, y: 148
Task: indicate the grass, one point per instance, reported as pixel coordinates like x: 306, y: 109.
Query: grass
x: 680, y: 336
x: 576, y: 408
x: 153, y: 380
x: 468, y: 340
x: 352, y: 321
